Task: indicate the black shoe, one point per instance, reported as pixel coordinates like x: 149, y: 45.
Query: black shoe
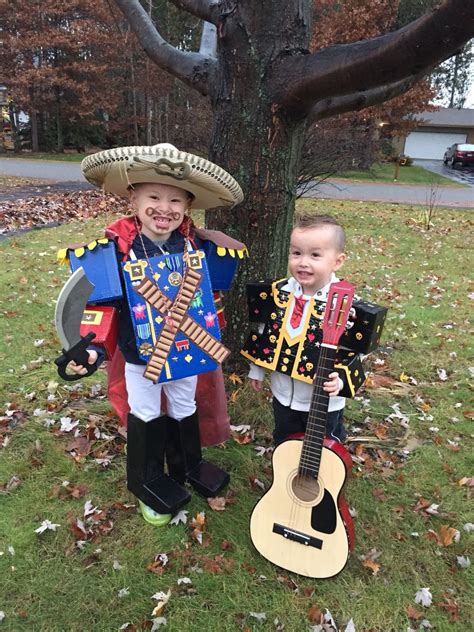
x: 146, y: 442
x: 184, y: 458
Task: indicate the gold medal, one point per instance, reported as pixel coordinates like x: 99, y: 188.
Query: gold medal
x: 175, y: 278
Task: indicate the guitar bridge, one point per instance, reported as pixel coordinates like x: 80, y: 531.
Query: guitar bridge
x: 297, y: 536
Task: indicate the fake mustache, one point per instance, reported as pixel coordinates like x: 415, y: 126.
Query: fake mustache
x: 152, y: 212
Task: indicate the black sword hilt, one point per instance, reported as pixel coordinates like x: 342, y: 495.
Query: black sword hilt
x: 78, y: 354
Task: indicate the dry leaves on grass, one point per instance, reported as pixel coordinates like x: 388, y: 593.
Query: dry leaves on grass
x: 242, y: 434
x: 58, y: 208
x: 198, y: 526
x: 446, y: 535
x: 68, y: 490
x: 450, y: 605
x: 369, y: 560
x: 218, y: 503
x: 94, y: 523
x: 159, y: 564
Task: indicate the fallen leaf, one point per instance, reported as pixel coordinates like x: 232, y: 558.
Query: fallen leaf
x: 217, y: 564
x: 413, y: 613
x: 260, y: 616
x: 80, y: 447
x: 379, y: 494
x: 315, y: 615
x: 466, y: 481
x: 373, y: 566
x: 217, y: 503
x: 162, y: 599
x: 451, y: 606
x: 463, y: 562
x: 424, y: 597
x: 235, y: 379
x: 181, y: 516
x: 255, y: 482
x: 45, y: 526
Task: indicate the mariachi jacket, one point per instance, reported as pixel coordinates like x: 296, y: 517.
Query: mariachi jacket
x: 292, y: 352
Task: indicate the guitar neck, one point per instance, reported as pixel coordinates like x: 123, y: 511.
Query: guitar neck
x: 317, y: 416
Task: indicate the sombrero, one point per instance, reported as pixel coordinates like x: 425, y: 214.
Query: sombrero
x: 115, y: 170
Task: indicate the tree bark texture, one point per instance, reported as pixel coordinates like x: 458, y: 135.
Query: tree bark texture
x: 256, y: 142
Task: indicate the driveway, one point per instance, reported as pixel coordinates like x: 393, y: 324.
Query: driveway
x: 464, y: 175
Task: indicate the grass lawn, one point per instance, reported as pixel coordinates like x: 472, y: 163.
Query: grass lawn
x: 385, y: 172
x: 410, y: 432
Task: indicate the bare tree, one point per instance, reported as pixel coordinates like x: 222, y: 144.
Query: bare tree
x: 265, y: 86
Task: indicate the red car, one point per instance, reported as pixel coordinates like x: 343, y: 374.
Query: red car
x: 460, y: 153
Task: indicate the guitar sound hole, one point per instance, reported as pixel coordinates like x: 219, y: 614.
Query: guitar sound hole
x: 305, y: 488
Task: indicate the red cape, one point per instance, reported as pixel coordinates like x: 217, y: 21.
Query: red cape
x: 211, y: 397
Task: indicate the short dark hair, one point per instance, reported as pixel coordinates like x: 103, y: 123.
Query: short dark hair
x: 306, y: 220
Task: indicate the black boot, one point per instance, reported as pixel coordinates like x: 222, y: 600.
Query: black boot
x: 146, y: 443
x: 184, y: 458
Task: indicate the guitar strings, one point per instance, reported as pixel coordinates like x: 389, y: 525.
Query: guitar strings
x: 309, y: 462
x: 309, y: 465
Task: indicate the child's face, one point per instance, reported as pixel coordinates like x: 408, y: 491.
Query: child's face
x: 160, y: 208
x: 314, y: 256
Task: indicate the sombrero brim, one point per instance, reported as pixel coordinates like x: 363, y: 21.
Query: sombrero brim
x: 115, y: 170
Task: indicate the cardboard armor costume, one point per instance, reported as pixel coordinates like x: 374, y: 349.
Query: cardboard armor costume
x: 217, y: 262
x: 270, y: 345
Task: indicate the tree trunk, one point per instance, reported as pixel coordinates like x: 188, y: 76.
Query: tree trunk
x: 34, y: 130
x: 257, y: 144
x: 454, y: 83
x: 59, y: 127
x: 134, y: 100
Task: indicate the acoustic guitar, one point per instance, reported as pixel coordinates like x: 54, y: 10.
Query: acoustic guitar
x: 302, y: 523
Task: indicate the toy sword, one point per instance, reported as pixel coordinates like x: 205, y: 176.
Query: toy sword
x: 69, y: 310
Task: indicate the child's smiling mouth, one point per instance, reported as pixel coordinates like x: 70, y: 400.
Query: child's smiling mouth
x: 161, y: 222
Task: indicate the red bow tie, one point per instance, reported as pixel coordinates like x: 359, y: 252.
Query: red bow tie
x: 295, y: 319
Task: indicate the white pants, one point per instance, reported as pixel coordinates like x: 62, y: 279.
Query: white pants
x: 144, y: 397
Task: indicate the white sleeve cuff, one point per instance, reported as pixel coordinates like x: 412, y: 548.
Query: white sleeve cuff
x: 256, y: 372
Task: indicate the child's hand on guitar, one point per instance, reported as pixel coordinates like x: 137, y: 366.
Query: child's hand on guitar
x: 333, y: 385
x: 256, y: 384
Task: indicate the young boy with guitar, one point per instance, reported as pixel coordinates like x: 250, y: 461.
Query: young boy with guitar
x: 303, y: 335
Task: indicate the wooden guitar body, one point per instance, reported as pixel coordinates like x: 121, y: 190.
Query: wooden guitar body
x: 299, y: 523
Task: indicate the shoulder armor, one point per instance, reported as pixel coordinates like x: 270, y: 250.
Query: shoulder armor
x: 222, y: 263
x: 99, y: 262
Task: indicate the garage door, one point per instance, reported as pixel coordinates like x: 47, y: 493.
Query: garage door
x: 430, y: 145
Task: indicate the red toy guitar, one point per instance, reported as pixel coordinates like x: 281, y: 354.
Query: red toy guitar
x: 300, y: 523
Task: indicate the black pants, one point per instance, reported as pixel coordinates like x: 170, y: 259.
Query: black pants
x: 289, y: 421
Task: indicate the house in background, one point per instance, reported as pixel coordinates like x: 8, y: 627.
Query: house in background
x: 436, y: 131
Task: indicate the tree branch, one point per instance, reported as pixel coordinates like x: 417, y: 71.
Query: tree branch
x: 195, y: 69
x: 208, y: 40
x: 347, y: 69
x: 360, y: 100
x: 204, y: 9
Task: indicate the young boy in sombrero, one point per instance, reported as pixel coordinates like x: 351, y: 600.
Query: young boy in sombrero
x: 162, y: 184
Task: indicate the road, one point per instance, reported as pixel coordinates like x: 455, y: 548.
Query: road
x: 70, y: 172
x: 53, y: 170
